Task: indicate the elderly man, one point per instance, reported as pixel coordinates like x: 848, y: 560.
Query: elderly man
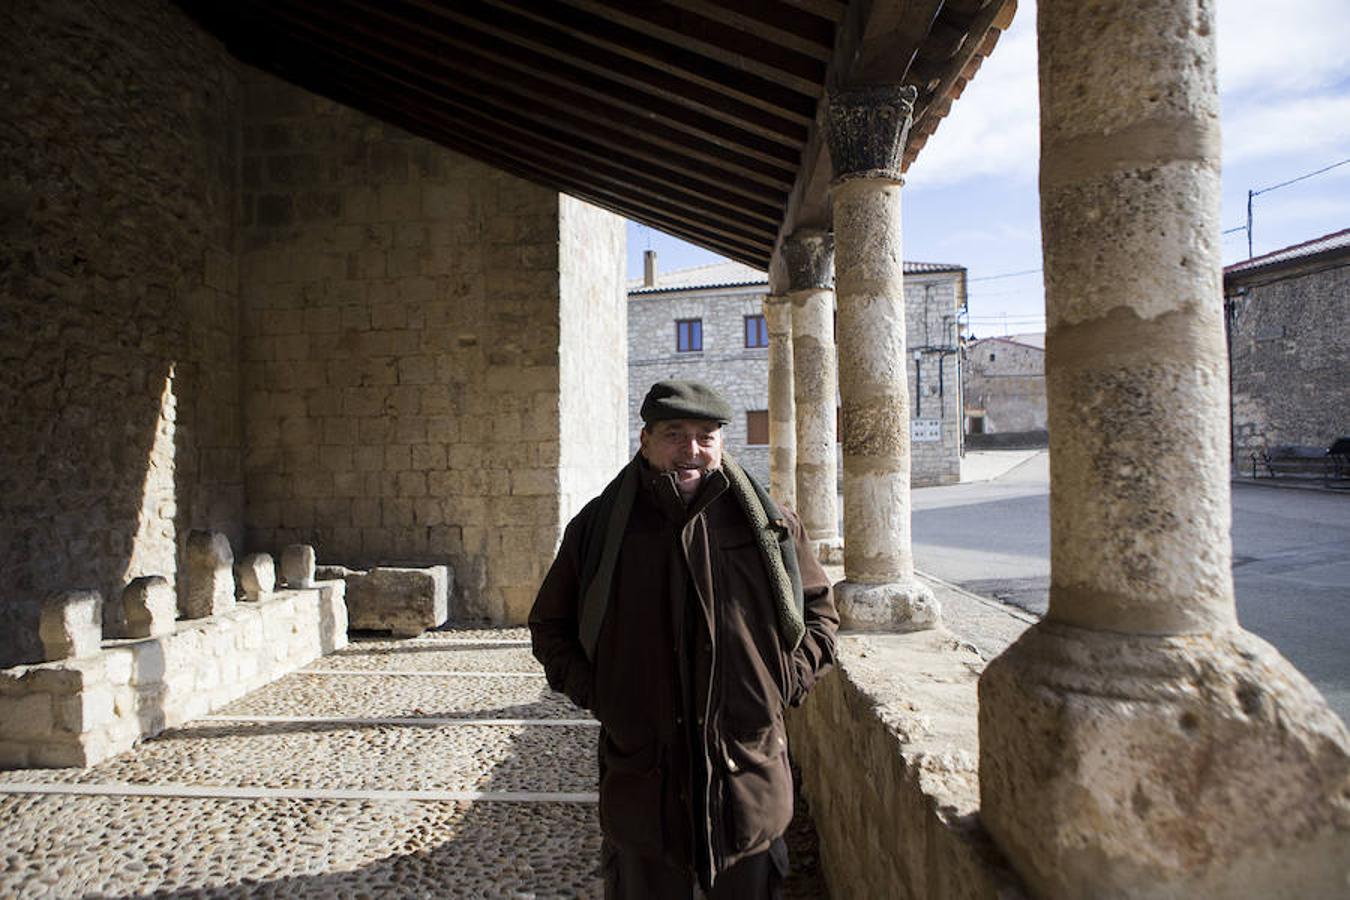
x: 685, y: 610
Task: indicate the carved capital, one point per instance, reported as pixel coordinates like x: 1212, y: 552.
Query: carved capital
x: 868, y: 127
x: 808, y: 256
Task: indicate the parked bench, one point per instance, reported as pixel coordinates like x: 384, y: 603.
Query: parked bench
x: 1329, y: 463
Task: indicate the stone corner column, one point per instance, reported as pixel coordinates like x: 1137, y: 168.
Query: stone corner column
x: 867, y: 131
x: 1137, y: 742
x: 782, y: 402
x: 808, y: 257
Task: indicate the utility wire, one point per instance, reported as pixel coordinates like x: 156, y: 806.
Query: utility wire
x: 1252, y: 195
x: 1005, y: 275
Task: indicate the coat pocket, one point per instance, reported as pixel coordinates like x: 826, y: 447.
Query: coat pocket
x: 631, y: 786
x: 759, y: 787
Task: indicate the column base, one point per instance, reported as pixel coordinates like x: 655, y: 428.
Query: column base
x: 1116, y: 765
x: 896, y: 606
x: 830, y: 550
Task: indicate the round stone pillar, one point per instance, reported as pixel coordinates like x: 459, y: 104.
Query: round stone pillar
x: 867, y: 131
x: 782, y: 402
x: 809, y: 258
x: 1137, y: 743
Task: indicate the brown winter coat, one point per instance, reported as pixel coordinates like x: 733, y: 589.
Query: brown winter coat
x: 663, y: 695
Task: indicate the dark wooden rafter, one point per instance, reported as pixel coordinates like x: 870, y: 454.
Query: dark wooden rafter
x: 760, y: 118
x: 530, y: 121
x: 522, y: 68
x: 696, y: 117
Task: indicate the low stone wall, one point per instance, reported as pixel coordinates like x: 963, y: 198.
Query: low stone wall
x: 77, y: 712
x: 889, y: 756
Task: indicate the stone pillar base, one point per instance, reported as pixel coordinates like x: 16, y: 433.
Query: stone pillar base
x: 897, y: 606
x: 830, y: 551
x: 1116, y: 765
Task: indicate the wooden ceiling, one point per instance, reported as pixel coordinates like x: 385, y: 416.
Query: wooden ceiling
x: 696, y: 117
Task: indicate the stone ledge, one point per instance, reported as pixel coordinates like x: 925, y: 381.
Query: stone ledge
x: 78, y: 712
x: 889, y: 753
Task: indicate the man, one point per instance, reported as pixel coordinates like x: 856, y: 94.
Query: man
x: 685, y: 610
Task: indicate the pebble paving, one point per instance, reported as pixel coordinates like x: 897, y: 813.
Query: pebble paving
x: 179, y: 832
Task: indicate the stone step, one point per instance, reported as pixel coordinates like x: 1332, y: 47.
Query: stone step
x: 425, y: 656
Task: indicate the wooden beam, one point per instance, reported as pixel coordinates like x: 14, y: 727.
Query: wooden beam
x: 754, y: 53
x: 568, y: 25
x: 758, y: 118
x: 783, y: 24
x: 547, y: 119
x: 577, y: 90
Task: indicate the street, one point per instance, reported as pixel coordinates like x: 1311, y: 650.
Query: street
x: 1291, y: 558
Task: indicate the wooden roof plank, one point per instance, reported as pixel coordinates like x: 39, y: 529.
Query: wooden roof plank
x: 511, y: 64
x: 783, y: 23
x: 753, y: 53
x: 758, y: 117
x: 533, y: 120
x: 687, y: 66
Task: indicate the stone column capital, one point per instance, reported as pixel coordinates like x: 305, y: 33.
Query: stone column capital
x: 867, y: 130
x: 808, y: 256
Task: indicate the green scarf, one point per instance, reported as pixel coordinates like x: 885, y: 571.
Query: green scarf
x: 603, y: 537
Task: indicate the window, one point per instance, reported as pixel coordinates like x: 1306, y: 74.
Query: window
x: 689, y: 335
x: 756, y: 332
x: 756, y: 425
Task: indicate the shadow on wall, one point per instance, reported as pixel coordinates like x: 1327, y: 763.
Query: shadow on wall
x: 86, y: 487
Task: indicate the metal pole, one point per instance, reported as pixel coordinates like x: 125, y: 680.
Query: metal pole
x: 1249, y: 224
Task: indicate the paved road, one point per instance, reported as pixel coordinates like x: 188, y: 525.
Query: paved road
x: 1291, y: 567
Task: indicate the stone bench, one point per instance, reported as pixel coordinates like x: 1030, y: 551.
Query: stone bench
x: 402, y: 601
x: 82, y: 710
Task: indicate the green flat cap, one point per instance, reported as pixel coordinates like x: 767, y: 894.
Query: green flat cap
x: 684, y: 400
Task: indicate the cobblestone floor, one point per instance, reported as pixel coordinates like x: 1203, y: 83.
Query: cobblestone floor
x: 441, y: 766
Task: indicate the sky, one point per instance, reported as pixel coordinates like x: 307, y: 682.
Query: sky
x: 971, y: 196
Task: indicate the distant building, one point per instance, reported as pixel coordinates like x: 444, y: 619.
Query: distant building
x: 1004, y: 385
x: 1288, y: 318
x: 707, y: 323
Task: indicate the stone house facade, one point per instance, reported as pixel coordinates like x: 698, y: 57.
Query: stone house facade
x: 1003, y: 382
x: 726, y: 299
x: 1288, y: 318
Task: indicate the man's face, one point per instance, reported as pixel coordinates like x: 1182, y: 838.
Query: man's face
x: 686, y: 447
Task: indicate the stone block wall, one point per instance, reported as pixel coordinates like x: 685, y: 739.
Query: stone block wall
x: 889, y: 757
x: 403, y: 314
x: 77, y: 712
x: 1004, y: 381
x: 1289, y: 338
x: 118, y: 299
x: 593, y: 354
x: 932, y: 301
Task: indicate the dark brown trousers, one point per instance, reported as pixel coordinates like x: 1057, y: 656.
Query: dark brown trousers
x: 632, y: 877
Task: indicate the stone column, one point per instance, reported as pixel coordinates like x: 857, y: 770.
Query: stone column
x: 808, y: 256
x: 1137, y: 742
x: 782, y: 403
x: 867, y: 130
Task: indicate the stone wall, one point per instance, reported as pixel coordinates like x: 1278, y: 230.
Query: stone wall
x: 1289, y: 337
x: 118, y: 299
x: 888, y: 752
x: 77, y: 712
x: 403, y: 315
x: 739, y: 373
x: 932, y: 300
x: 1004, y: 382
x: 593, y: 354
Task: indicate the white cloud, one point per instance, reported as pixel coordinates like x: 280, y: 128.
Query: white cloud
x: 1308, y: 125
x: 1294, y: 46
